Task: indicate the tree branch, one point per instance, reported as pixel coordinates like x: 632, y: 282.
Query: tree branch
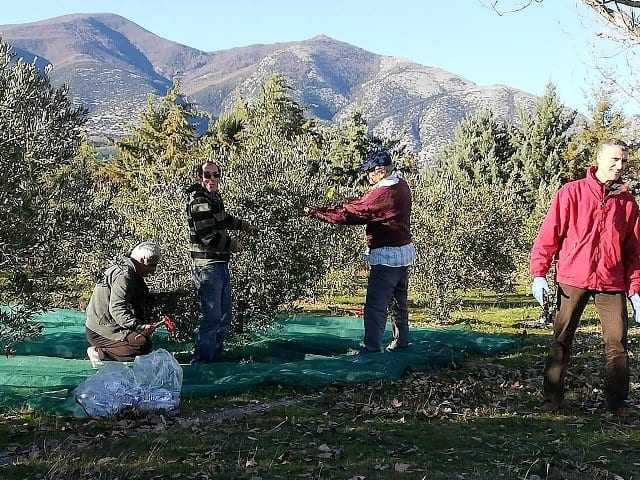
x: 494, y: 5
x: 618, y: 13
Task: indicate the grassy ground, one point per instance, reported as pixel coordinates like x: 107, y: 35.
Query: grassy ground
x: 478, y: 421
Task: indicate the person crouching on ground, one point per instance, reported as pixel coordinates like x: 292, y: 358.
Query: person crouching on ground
x: 116, y: 326
x: 386, y: 210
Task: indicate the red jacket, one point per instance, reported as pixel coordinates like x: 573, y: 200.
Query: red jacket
x: 595, y: 235
x: 385, y: 210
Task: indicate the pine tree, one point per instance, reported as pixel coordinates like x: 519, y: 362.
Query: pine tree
x: 349, y: 145
x: 481, y: 150
x: 161, y: 144
x: 540, y: 142
x: 606, y: 122
x: 277, y: 107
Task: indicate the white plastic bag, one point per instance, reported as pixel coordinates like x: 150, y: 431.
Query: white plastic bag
x: 109, y: 391
x: 160, y: 376
x: 154, y: 383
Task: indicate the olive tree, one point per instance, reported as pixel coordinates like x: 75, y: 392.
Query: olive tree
x: 264, y: 150
x: 43, y: 210
x: 467, y: 236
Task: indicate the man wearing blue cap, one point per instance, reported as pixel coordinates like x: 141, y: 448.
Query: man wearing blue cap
x: 386, y: 210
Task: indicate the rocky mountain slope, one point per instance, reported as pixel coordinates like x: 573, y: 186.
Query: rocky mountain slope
x: 112, y: 64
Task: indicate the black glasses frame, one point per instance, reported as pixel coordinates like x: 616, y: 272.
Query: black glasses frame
x: 209, y: 175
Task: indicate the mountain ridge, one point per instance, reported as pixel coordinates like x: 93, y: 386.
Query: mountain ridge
x: 112, y: 64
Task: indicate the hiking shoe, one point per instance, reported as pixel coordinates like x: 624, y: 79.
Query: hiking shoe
x: 94, y: 357
x: 395, y: 346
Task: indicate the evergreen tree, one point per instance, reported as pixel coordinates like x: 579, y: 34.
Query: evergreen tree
x: 277, y: 107
x: 606, y: 122
x: 481, y: 150
x: 350, y: 143
x: 540, y: 142
x: 164, y: 140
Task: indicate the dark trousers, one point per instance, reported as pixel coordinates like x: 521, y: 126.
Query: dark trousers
x: 386, y: 290
x: 126, y: 350
x: 612, y: 310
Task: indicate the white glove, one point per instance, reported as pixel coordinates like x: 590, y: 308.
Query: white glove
x: 635, y: 302
x: 539, y: 287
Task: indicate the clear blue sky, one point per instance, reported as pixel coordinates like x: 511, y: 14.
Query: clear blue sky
x: 551, y: 41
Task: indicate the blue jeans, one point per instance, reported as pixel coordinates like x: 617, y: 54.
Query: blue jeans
x: 386, y: 291
x: 213, y: 285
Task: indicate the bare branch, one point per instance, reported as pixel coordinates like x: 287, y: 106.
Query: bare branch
x: 618, y: 13
x: 495, y: 6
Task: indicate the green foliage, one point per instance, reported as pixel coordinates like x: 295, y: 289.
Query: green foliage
x: 540, y: 143
x: 147, y: 179
x: 481, y: 149
x: 262, y: 149
x: 164, y: 138
x: 349, y: 145
x: 224, y: 134
x: 42, y: 212
x: 268, y: 185
x: 606, y: 122
x: 467, y: 234
x: 267, y: 182
x: 277, y: 109
x: 477, y: 211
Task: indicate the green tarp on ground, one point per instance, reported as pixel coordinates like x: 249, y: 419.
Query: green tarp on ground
x: 301, y: 350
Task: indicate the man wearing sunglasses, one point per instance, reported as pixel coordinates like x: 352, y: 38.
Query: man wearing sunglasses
x: 211, y: 248
x: 386, y: 210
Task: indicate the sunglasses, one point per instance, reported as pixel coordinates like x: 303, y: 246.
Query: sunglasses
x: 209, y: 175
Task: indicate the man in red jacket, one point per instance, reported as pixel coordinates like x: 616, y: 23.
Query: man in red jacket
x: 592, y: 228
x: 385, y: 209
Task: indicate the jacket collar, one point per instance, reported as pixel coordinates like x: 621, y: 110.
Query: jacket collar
x: 195, y: 188
x: 198, y: 190
x: 600, y: 189
x: 126, y: 263
x: 388, y: 181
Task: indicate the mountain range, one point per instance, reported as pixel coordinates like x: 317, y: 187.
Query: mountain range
x: 111, y: 64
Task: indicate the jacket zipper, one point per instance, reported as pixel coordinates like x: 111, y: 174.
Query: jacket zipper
x: 602, y: 201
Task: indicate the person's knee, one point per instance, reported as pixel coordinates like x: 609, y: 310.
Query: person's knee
x: 614, y: 349
x: 376, y: 307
